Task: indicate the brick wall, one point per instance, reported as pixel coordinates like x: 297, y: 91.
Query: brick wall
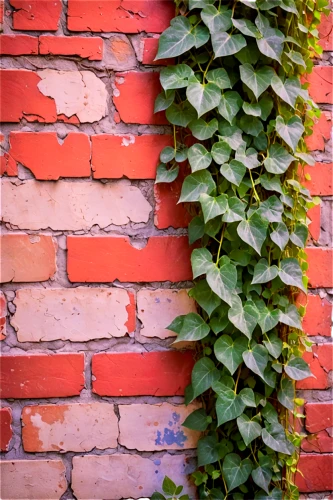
x: 95, y: 260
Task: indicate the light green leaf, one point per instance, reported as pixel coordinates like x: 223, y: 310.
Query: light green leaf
x: 296, y: 57
x: 256, y: 359
x: 262, y: 476
x: 288, y: 90
x: 194, y: 328
x: 244, y: 318
x: 271, y: 209
x: 223, y: 281
x: 278, y: 159
x: 220, y: 152
x: 213, y: 206
x: 246, y: 27
x: 199, y: 157
x: 280, y: 235
x: 175, y: 77
x: 290, y: 131
x: 164, y: 174
x: 201, y: 260
x: 197, y: 420
x: 164, y: 100
x: 203, y: 97
x: 299, y: 235
x: 196, y: 184
x: 291, y: 273
x: 202, y: 130
x: 228, y: 406
x: 271, y: 43
x: 169, y: 486
x: 229, y: 351
x: 273, y: 345
x: 274, y: 437
x: 181, y: 114
x: 226, y: 45
x: 263, y: 272
x: 176, y: 39
x: 291, y: 317
x: 253, y: 231
x: 216, y: 20
x: 252, y: 109
x: 235, y: 211
x: 233, y: 171
x: 297, y: 369
x: 220, y: 77
x: 204, y: 374
x: 286, y: 394
x: 236, y: 471
x: 307, y: 158
x: 257, y: 80
x: 249, y: 429
x: 230, y: 104
x: 231, y: 134
x: 205, y: 297
x: 249, y: 158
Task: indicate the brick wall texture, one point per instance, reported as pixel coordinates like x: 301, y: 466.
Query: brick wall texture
x: 95, y: 260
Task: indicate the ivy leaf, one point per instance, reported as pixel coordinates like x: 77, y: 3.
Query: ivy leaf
x: 197, y: 420
x: 253, y: 231
x: 229, y: 351
x: 199, y: 157
x: 201, y: 35
x: 266, y: 104
x: 271, y: 43
x: 297, y: 369
x: 233, y: 171
x: 248, y: 397
x: 280, y: 235
x: 176, y: 39
x: 288, y: 91
x: 226, y: 45
x: 244, y: 318
x: 208, y: 450
x: 180, y: 114
x: 246, y: 27
x: 220, y: 77
x: 278, y: 159
x: 273, y: 345
x: 175, y: 77
x: 167, y: 154
x: 271, y: 209
x: 299, y: 235
x: 257, y: 80
x: 202, y: 130
x: 165, y: 174
x: 274, y: 437
x: 262, y: 476
x: 236, y: 471
x: 216, y: 20
x: 201, y: 260
x: 231, y: 134
x: 291, y: 273
x: 286, y: 394
x: 177, y: 324
x: 235, y: 211
x: 199, y: 4
x: 194, y: 328
x: 223, y: 281
x: 307, y: 158
x: 249, y: 429
x: 275, y: 494
x: 251, y: 125
x: 204, y: 374
x: 196, y: 184
x: 290, y: 131
x: 203, y: 97
x: 164, y: 100
x: 230, y: 104
x: 296, y: 57
x: 271, y: 183
x: 252, y: 109
x: 256, y: 359
x: 291, y: 317
x: 213, y: 206
x: 249, y: 158
x: 220, y: 152
x: 268, y: 319
x: 263, y: 272
x: 228, y: 406
x: 196, y: 229
x: 205, y: 297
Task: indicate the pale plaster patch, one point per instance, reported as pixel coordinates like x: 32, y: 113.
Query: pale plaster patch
x: 76, y: 93
x: 72, y: 205
x: 76, y: 314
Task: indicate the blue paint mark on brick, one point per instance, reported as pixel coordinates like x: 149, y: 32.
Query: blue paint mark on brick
x: 157, y: 462
x: 176, y: 417
x: 170, y: 436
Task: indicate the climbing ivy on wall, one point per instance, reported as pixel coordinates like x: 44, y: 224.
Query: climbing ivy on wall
x: 240, y: 114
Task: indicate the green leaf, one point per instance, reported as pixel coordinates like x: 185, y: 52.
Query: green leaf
x: 168, y: 486
x: 273, y: 345
x: 236, y: 471
x: 248, y: 157
x: 228, y: 406
x: 164, y: 174
x: 271, y: 43
x: 291, y: 273
x: 220, y: 77
x: 226, y: 45
x: 216, y: 20
x: 296, y: 57
x: 229, y: 351
x: 199, y: 4
x: 233, y: 171
x: 297, y: 369
x: 197, y: 420
x: 175, y: 77
x: 220, y: 152
x: 278, y: 159
x: 231, y: 134
x: 167, y: 154
x: 177, y: 324
x: 213, y: 206
x: 223, y: 281
x: 299, y: 235
x: 230, y: 104
x: 196, y: 184
x: 266, y: 104
x: 244, y: 318
x: 257, y: 80
x: 196, y: 229
x: 251, y: 125
x: 199, y: 157
x: 201, y: 35
x: 176, y: 39
x: 252, y: 109
x: 274, y: 437
x: 263, y: 272
x: 286, y: 394
x: 246, y: 27
x: 202, y: 130
x: 248, y: 397
x: 181, y: 114
x: 204, y: 374
x: 205, y: 297
x: 262, y: 476
x: 288, y: 90
x: 275, y: 494
x: 268, y: 319
x: 256, y: 359
x: 208, y: 450
x: 203, y: 97
x: 307, y: 158
x: 194, y: 328
x: 280, y: 235
x: 271, y: 209
x: 201, y: 260
x: 235, y: 211
x: 164, y: 100
x: 290, y: 131
x: 271, y: 183
x: 291, y: 317
x: 253, y: 231
x: 249, y: 429
x: 157, y: 496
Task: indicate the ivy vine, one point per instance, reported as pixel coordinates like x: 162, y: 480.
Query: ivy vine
x: 240, y: 114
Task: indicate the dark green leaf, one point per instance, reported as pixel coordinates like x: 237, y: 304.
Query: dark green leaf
x: 199, y: 157
x: 223, y: 281
x: 288, y: 90
x: 244, y: 318
x: 280, y: 235
x: 220, y: 77
x: 204, y: 374
x: 299, y: 235
x: 201, y: 35
x: 167, y: 154
x: 194, y: 328
x: 278, y: 159
x: 273, y: 345
x: 291, y: 317
x: 274, y: 437
x: 290, y: 131
x: 164, y: 100
x: 230, y: 104
x: 228, y: 406
x: 208, y: 450
x: 196, y: 184
x: 286, y: 394
x: 205, y: 297
x: 249, y: 429
x: 226, y: 45
x: 235, y: 470
x: 233, y: 171
x: 181, y: 114
x: 229, y: 351
x: 271, y: 209
x: 235, y: 211
x: 216, y: 20
x: 263, y: 272
x: 197, y: 420
x: 213, y: 206
x: 257, y: 80
x: 262, y: 476
x: 175, y: 77
x: 202, y: 130
x: 251, y: 125
x: 164, y: 174
x: 248, y: 157
x: 176, y: 39
x: 201, y: 260
x: 256, y: 359
x: 196, y: 229
x: 291, y: 273
x: 220, y: 152
x: 246, y: 27
x: 203, y: 97
x: 253, y: 231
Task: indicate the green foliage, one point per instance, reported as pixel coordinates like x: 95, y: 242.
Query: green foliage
x: 236, y: 89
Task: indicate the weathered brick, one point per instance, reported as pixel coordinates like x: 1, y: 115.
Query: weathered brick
x: 72, y: 427
x: 135, y: 97
x: 126, y: 16
x: 49, y: 159
x: 320, y: 361
x: 325, y: 29
x: 321, y: 442
x: 158, y: 308
x: 150, y: 48
x: 17, y: 45
x: 163, y: 373
x: 6, y: 431
x: 21, y: 98
x: 119, y: 54
x: 321, y: 132
x: 319, y: 416
x: 314, y: 214
x: 3, y: 314
x: 317, y: 473
x: 7, y: 163
x: 157, y: 427
x: 75, y: 314
x: 41, y: 375
x: 107, y: 258
x: 27, y: 258
x: 168, y: 212
x: 136, y: 157
x: 320, y: 272
x: 72, y: 205
x: 131, y: 476
x: 86, y: 47
x: 317, y: 319
x: 321, y: 179
x: 26, y: 479
x: 36, y: 15
x: 320, y: 88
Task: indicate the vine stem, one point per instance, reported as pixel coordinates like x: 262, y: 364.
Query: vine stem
x: 220, y: 245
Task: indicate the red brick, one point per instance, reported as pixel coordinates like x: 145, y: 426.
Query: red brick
x: 317, y: 319
x: 317, y: 473
x: 321, y: 442
x: 36, y: 15
x: 48, y: 159
x: 322, y: 130
x: 2, y: 10
x: 150, y: 48
x: 321, y: 179
x: 27, y: 258
x: 131, y: 311
x: 42, y: 375
x: 126, y: 16
x: 320, y: 272
x: 107, y: 258
x: 17, y: 45
x: 319, y: 416
x: 135, y: 157
x: 85, y: 47
x: 325, y: 29
x: 320, y: 88
x: 136, y: 99
x: 21, y: 98
x: 7, y: 163
x: 6, y: 431
x: 3, y: 314
x: 314, y: 228
x: 164, y: 373
x: 167, y: 210
x: 320, y: 362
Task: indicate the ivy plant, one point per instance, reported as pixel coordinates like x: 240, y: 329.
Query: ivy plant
x: 240, y: 114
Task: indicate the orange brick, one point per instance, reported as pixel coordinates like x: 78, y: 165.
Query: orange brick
x: 320, y: 272
x: 36, y: 15
x: 317, y: 320
x: 17, y: 45
x: 325, y: 29
x: 314, y: 227
x: 322, y: 131
x: 321, y: 179
x: 320, y: 81
x: 86, y: 47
